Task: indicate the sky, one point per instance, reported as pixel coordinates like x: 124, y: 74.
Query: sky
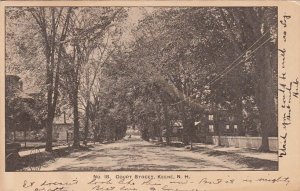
x: 135, y: 14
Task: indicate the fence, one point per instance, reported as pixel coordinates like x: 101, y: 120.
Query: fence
x: 245, y: 142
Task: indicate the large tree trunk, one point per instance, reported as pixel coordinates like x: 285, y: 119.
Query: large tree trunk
x: 15, y: 139
x: 159, y: 129
x: 265, y: 96
x: 76, y: 142
x: 51, y: 104
x: 50, y: 112
x: 185, y: 134
x: 49, y: 124
x: 191, y: 130
x: 96, y: 131
x: 167, y: 123
x: 86, y: 125
x: 183, y: 116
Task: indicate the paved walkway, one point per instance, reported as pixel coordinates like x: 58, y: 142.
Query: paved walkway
x: 136, y: 154
x: 272, y: 156
x: 34, y: 151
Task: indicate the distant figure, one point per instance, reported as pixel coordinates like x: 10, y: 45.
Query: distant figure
x: 132, y: 134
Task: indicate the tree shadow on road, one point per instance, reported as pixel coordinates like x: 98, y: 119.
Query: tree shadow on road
x: 251, y: 162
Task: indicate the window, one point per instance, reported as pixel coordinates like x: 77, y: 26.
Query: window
x: 227, y: 127
x: 210, y: 117
x: 211, y: 128
x: 235, y: 126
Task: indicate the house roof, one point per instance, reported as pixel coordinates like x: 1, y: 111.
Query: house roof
x: 24, y: 95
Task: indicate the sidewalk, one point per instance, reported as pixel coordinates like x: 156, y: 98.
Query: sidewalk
x: 39, y: 150
x: 244, y: 152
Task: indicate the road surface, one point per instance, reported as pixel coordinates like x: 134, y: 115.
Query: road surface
x: 135, y: 154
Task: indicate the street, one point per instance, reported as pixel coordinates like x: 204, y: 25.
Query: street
x: 138, y: 155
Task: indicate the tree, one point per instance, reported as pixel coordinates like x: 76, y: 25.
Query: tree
x: 102, y: 52
x: 251, y: 24
x: 53, y: 26
x: 180, y: 56
x: 201, y: 47
x: 88, y: 28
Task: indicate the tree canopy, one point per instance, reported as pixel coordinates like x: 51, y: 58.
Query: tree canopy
x: 173, y: 64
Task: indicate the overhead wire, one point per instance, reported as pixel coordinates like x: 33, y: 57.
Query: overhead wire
x: 230, y: 69
x: 231, y: 66
x: 245, y: 52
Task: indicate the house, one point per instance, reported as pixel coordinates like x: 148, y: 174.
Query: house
x: 13, y: 84
x: 62, y: 129
x: 62, y: 132
x: 14, y: 87
x: 217, y: 123
x: 176, y: 132
x: 17, y: 105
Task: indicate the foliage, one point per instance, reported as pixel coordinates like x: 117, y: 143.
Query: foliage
x: 176, y: 64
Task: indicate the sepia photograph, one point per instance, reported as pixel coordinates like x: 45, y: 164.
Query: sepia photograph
x: 119, y: 88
